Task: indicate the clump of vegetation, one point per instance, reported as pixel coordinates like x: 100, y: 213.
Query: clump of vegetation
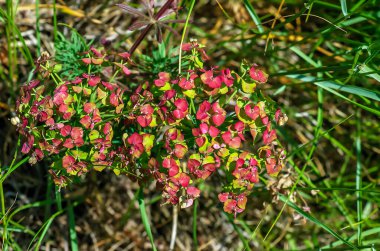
x: 177, y: 130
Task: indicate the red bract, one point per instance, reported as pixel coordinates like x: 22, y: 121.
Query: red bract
x: 93, y: 80
x: 146, y: 115
x: 89, y: 107
x: 89, y: 121
x: 226, y: 77
x: 136, y: 142
x: 233, y: 204
x: 252, y: 111
x: 202, y: 111
x: 171, y: 164
x: 211, y: 130
x: 218, y: 114
x: 258, y: 75
x: 233, y: 142
x: 188, y: 84
x: 27, y: 146
x: 60, y: 95
x: 163, y: 78
x: 76, y: 138
x: 180, y: 150
x: 269, y: 136
x: 181, y: 111
x: 116, y: 97
x: 209, y: 80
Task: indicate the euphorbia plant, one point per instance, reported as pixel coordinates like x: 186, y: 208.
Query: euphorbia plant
x: 174, y: 129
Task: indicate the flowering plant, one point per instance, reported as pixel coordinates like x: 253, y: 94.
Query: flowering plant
x: 175, y: 129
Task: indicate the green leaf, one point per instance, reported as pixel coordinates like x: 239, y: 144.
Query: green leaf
x: 247, y: 87
x: 254, y: 16
x: 93, y: 135
x: 343, y: 5
x: 144, y: 217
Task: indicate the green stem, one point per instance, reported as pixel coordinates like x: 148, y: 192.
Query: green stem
x: 183, y: 35
x: 359, y: 203
x: 3, y: 214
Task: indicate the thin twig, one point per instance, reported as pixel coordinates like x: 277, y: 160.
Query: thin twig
x: 273, y: 24
x: 312, y: 15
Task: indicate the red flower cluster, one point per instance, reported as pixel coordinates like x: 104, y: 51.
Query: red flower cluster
x: 177, y: 130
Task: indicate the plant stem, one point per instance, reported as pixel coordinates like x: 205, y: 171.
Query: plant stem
x: 149, y: 26
x: 174, y: 227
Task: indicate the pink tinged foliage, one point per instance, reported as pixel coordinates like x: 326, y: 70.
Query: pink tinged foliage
x: 27, y: 146
x: 65, y: 130
x: 188, y: 84
x: 187, y: 46
x: 116, y: 97
x: 89, y: 107
x: 93, y: 81
x: 163, y: 78
x: 209, y: 80
x: 124, y: 55
x: 181, y: 179
x: 86, y: 60
x: 233, y: 204
x: 76, y: 138
x: 191, y: 193
x: 181, y: 108
x: 109, y: 86
x: 136, y: 142
x: 180, y: 150
x: 193, y: 165
x: 258, y: 75
x: 233, y: 142
x: 219, y: 114
x: 252, y: 111
x: 202, y: 111
x: 171, y: 164
x: 269, y: 136
x: 146, y: 115
x: 60, y: 95
x: 227, y: 78
x: 223, y: 197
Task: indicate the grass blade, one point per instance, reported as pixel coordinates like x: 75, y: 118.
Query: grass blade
x: 359, y: 203
x: 343, y: 5
x: 144, y: 217
x: 254, y: 16
x: 334, y: 88
x: 238, y: 231
x: 316, y: 221
x: 43, y: 230
x: 72, y: 232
